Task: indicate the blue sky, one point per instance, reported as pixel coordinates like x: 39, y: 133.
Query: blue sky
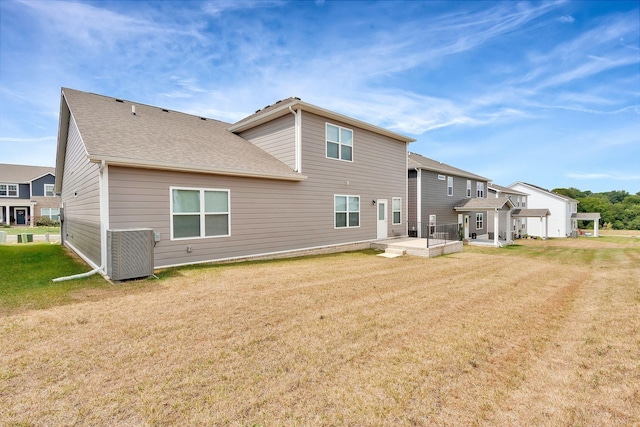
x: 541, y: 92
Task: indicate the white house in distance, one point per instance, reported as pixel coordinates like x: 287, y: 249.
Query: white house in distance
x: 563, y: 211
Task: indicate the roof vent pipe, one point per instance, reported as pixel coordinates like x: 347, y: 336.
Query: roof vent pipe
x: 133, y: 110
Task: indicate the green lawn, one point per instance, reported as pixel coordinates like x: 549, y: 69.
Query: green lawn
x: 33, y: 230
x: 27, y: 271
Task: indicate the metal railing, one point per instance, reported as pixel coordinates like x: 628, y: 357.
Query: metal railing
x: 435, y: 234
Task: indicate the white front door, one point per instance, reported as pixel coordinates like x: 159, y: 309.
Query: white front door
x: 382, y: 218
x: 466, y: 226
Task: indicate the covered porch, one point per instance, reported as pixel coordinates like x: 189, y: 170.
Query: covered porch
x: 17, y: 212
x: 587, y: 216
x: 498, y: 210
x: 541, y: 214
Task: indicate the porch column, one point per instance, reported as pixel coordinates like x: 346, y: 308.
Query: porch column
x: 496, y: 227
x: 595, y: 228
x: 546, y: 227
x: 509, y: 227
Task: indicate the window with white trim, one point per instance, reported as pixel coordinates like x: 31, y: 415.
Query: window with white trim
x: 339, y: 142
x: 51, y: 213
x: 199, y: 213
x: 9, y: 190
x: 346, y: 211
x: 468, y: 188
x: 479, y: 189
x: 449, y: 186
x: 479, y: 221
x: 48, y: 190
x: 432, y: 224
x: 397, y: 210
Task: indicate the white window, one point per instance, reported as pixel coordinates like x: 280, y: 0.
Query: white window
x: 397, y: 210
x: 479, y: 189
x: 199, y: 213
x: 517, y: 201
x: 9, y: 190
x: 468, y: 188
x: 479, y: 221
x: 48, y: 190
x: 524, y: 203
x: 346, y: 211
x: 339, y: 142
x: 432, y: 224
x: 51, y: 213
x: 450, y: 186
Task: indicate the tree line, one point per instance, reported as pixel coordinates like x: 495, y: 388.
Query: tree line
x: 619, y: 210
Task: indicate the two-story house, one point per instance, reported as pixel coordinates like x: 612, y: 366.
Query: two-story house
x: 291, y: 178
x: 27, y: 193
x: 518, y: 225
x: 443, y: 194
x: 561, y: 217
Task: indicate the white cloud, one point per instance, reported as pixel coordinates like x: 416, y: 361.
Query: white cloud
x: 567, y: 19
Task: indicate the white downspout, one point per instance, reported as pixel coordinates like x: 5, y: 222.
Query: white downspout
x: 419, y: 202
x: 298, y: 140
x: 104, y: 211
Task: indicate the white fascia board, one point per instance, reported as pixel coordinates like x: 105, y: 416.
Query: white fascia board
x: 181, y: 168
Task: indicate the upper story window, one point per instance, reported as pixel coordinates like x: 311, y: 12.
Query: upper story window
x: 339, y: 143
x: 479, y: 189
x: 199, y: 213
x: 9, y: 190
x: 468, y: 188
x: 449, y: 186
x: 48, y: 190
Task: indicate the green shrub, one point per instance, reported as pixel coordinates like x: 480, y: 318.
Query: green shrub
x: 47, y: 222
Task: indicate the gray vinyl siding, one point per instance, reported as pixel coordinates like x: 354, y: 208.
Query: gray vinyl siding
x: 82, y: 211
x: 412, y: 202
x: 269, y: 215
x: 24, y: 191
x: 276, y: 138
x: 436, y: 201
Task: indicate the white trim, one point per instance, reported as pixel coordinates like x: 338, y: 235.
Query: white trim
x: 53, y: 190
x: 419, y: 203
x: 81, y: 255
x: 298, y: 143
x: 7, y: 184
x: 298, y: 104
x: 450, y: 186
x: 115, y: 161
x: 202, y: 214
x: 468, y: 188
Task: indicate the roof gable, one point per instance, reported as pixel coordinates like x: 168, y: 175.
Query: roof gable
x: 417, y: 161
x: 23, y: 174
x: 286, y: 106
x: 481, y: 203
x: 158, y: 138
x: 500, y: 189
x: 545, y: 191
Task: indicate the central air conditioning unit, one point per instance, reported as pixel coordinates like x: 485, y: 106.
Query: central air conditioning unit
x: 130, y: 253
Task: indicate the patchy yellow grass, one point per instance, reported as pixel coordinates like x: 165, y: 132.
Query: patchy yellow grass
x: 533, y: 335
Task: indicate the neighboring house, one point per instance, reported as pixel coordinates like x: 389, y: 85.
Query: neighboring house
x: 519, y: 200
x: 442, y: 194
x: 557, y: 213
x: 26, y: 194
x: 290, y: 178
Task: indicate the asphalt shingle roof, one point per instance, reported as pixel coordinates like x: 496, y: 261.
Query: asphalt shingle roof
x: 160, y: 138
x: 22, y: 174
x: 419, y: 161
x: 481, y: 203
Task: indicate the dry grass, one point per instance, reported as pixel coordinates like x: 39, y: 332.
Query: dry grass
x: 545, y: 333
